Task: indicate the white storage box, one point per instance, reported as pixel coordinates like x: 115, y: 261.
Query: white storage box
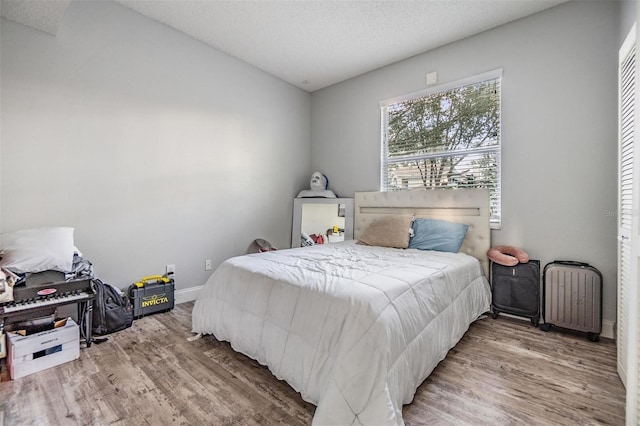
x: 37, y: 352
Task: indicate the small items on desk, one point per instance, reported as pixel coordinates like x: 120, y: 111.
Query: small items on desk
x: 336, y: 238
x: 35, y: 325
x: 7, y: 281
x: 335, y: 235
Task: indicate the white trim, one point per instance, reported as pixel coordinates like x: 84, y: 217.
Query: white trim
x: 607, y: 329
x: 628, y: 43
x: 624, y: 316
x: 386, y: 161
x: 632, y: 408
x: 187, y: 294
x: 489, y: 75
x: 607, y: 325
x: 628, y: 328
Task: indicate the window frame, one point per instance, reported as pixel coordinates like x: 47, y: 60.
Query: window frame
x: 496, y: 217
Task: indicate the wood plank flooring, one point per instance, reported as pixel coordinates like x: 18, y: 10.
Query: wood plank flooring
x: 503, y: 372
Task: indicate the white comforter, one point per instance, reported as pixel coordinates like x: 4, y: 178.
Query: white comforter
x: 355, y: 329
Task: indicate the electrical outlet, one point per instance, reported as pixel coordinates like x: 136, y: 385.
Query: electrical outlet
x: 207, y: 265
x: 170, y: 269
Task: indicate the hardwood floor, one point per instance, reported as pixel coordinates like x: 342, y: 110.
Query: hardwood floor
x: 502, y: 372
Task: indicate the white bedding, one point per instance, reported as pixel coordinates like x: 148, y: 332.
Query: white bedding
x: 354, y: 329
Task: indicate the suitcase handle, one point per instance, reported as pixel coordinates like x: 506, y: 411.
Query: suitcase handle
x: 156, y: 278
x: 571, y: 262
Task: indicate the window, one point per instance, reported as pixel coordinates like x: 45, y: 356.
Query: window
x: 445, y: 137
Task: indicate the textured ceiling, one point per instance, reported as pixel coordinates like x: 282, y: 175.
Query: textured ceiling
x: 310, y: 44
x: 43, y: 15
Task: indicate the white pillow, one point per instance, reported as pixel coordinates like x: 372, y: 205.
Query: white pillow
x: 37, y: 250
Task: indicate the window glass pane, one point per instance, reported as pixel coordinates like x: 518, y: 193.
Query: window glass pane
x: 468, y: 171
x: 462, y: 118
x: 472, y: 170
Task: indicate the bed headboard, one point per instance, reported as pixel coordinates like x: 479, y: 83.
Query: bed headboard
x: 469, y: 206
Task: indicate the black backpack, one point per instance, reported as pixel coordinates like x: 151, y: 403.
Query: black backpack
x: 111, y: 310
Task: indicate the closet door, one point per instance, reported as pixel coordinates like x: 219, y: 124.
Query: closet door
x: 628, y: 308
x: 626, y: 270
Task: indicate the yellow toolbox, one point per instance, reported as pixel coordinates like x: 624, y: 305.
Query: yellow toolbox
x: 152, y: 294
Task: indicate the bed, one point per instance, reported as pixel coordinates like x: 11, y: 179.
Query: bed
x: 355, y: 329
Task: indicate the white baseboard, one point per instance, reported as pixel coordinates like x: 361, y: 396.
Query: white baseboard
x: 607, y: 325
x: 187, y: 294
x: 607, y: 329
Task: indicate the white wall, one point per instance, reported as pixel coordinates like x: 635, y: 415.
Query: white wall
x: 558, y: 129
x: 157, y: 148
x: 627, y: 17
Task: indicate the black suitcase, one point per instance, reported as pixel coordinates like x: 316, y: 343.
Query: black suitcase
x: 572, y: 293
x: 515, y: 290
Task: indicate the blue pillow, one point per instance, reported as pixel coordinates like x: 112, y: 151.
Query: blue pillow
x: 440, y: 235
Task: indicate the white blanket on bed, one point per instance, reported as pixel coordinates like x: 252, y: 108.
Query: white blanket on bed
x: 355, y: 329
